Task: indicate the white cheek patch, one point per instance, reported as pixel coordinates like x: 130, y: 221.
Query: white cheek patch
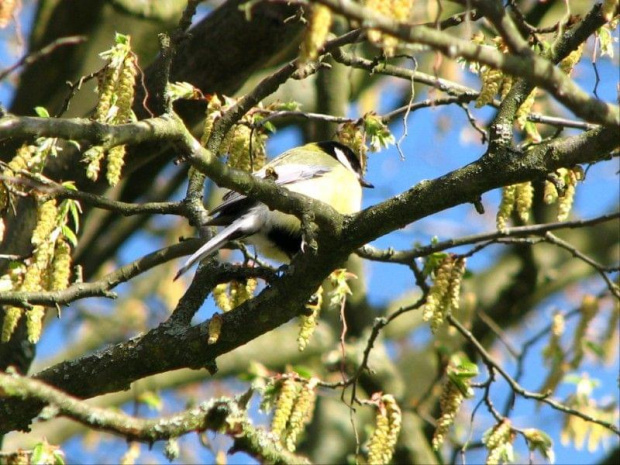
x: 342, y: 158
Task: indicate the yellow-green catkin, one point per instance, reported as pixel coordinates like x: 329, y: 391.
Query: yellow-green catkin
x: 444, y: 294
x: 506, y: 86
x: 449, y: 404
x: 398, y: 10
x: 316, y: 33
x: 213, y: 113
x: 565, y: 202
x: 301, y: 415
x: 215, y: 329
x: 246, y: 149
x: 34, y: 322
x: 47, y: 215
x: 221, y: 297
x: 496, y: 441
x: 126, y: 90
x: 491, y: 84
x: 116, y: 161
x: 524, y: 198
x: 550, y: 193
x: 105, y: 88
x: 61, y: 266
x: 21, y: 161
x: 239, y: 148
x: 32, y: 280
x: 124, y: 114
x: 12, y: 315
x: 93, y: 157
x: 568, y: 64
x: 506, y: 206
x: 525, y: 109
x: 456, y: 279
x: 387, y: 428
x: 242, y: 291
x: 589, y: 308
x: 308, y: 323
x: 284, y: 406
x: 558, y: 326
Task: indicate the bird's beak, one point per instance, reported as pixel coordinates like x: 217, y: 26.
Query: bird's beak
x: 365, y: 183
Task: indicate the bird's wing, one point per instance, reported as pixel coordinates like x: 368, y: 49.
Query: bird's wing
x: 242, y: 227
x: 286, y: 174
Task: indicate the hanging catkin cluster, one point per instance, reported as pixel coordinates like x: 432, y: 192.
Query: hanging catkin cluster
x: 516, y: 197
x: 562, y: 189
x: 387, y: 428
x: 294, y: 409
x: 494, y: 81
x: 316, y: 33
x: 443, y: 297
x: 230, y: 295
x: 588, y: 309
x: 308, y: 323
x: 244, y: 146
x: 31, y: 158
x: 48, y: 269
x: 498, y: 441
x: 398, y: 10
x: 449, y: 404
x: 116, y: 95
x: 21, y: 161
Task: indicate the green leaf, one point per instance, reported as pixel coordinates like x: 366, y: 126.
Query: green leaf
x: 75, y: 209
x: 269, y: 127
x: 121, y: 39
x: 70, y: 235
x: 59, y: 457
x: 42, y: 112
x: 303, y: 371
x: 38, y: 453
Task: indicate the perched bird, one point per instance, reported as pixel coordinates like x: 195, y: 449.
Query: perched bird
x: 327, y: 171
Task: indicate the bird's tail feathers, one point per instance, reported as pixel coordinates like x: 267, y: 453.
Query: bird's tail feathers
x: 210, y: 247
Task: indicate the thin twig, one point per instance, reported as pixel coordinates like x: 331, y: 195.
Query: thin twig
x: 406, y: 256
x: 30, y: 58
x: 516, y: 387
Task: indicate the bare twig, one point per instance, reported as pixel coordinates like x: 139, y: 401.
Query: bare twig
x: 406, y: 256
x: 516, y: 387
x: 30, y: 58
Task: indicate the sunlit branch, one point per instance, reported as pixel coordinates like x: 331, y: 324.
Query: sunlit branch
x: 405, y: 257
x: 222, y: 415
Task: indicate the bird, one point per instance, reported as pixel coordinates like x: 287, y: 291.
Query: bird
x: 328, y: 171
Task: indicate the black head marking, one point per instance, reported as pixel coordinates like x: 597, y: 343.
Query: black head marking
x: 351, y: 160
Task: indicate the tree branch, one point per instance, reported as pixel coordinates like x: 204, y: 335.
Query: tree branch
x: 221, y: 415
x: 537, y: 70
